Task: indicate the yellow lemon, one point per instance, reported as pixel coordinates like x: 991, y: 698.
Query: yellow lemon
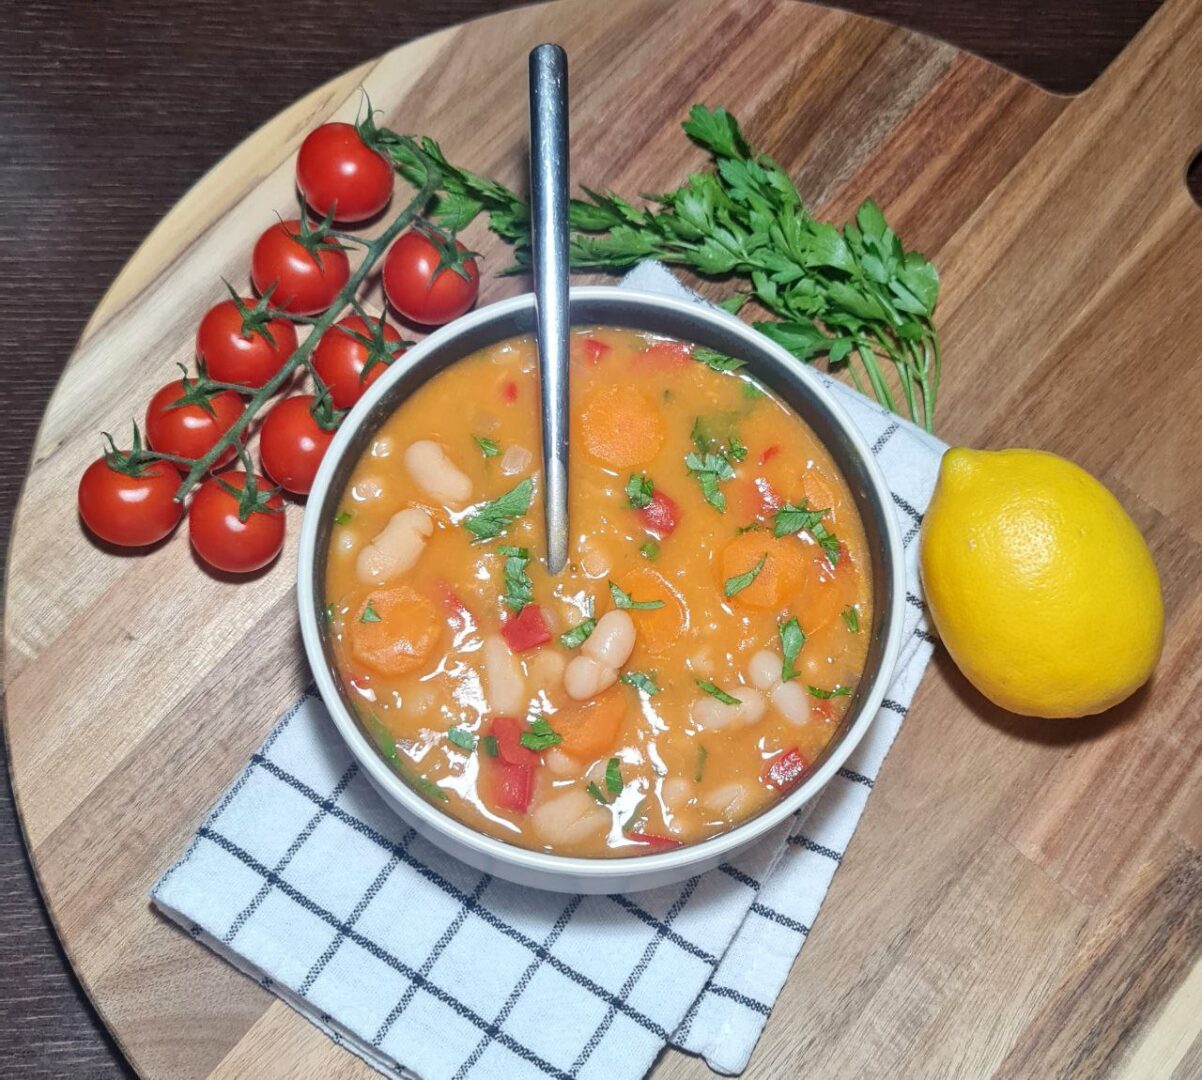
x: 1041, y: 586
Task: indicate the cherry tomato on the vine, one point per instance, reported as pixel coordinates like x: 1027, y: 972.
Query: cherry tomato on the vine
x: 292, y: 443
x: 238, y: 342
x: 338, y: 172
x: 340, y: 357
x: 429, y: 279
x: 306, y: 270
x: 191, y: 430
x: 130, y: 509
x: 233, y: 531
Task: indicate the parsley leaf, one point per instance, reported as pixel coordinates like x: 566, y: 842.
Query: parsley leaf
x: 613, y: 776
x: 343, y: 517
x: 487, y: 446
x: 702, y: 757
x: 493, y: 518
x: 464, y: 739
x: 839, y: 691
x: 578, y: 634
x: 623, y: 600
x: 370, y: 614
x: 540, y: 736
x: 717, y: 361
x: 328, y: 611
x: 596, y: 793
x: 794, y: 519
x: 650, y: 550
x: 851, y: 618
x: 792, y: 640
x: 739, y: 582
x: 519, y: 589
x: 489, y: 745
x: 709, y: 471
x: 715, y: 692
x: 639, y: 490
x: 640, y: 681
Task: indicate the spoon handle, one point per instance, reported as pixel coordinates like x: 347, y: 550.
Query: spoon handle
x: 549, y: 204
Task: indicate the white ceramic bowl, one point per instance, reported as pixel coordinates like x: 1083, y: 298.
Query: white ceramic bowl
x: 701, y: 325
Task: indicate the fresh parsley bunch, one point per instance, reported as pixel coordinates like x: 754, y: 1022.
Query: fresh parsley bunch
x: 853, y: 295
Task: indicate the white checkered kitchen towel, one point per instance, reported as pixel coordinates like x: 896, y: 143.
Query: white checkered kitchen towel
x: 302, y: 878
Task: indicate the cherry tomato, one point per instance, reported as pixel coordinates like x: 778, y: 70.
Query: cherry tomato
x: 421, y: 288
x: 305, y: 281
x: 292, y: 443
x: 339, y: 358
x: 337, y: 171
x: 130, y: 510
x: 237, y: 346
x: 191, y: 430
x: 222, y: 538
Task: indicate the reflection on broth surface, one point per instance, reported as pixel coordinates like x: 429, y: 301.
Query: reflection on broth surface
x: 683, y: 672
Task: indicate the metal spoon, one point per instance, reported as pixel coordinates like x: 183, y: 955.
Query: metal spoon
x: 549, y: 232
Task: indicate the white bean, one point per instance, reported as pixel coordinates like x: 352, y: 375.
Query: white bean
x: 594, y: 560
x: 559, y: 764
x: 792, y: 702
x: 710, y: 714
x: 764, y: 670
x: 396, y: 547
x: 505, y: 686
x: 569, y: 818
x: 727, y: 799
x: 515, y: 460
x: 368, y: 489
x: 584, y: 678
x: 701, y: 663
x: 612, y: 639
x: 676, y: 792
x: 437, y: 474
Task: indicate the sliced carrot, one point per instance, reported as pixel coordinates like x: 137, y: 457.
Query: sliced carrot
x: 621, y: 426
x: 820, y: 493
x: 829, y: 590
x: 658, y: 629
x: 591, y: 728
x: 394, y: 630
x: 784, y: 571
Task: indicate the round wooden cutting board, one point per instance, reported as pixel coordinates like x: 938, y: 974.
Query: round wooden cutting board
x: 1020, y: 897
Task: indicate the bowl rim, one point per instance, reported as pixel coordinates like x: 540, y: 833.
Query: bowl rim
x: 545, y: 863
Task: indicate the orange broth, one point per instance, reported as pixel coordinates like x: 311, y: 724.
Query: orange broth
x: 444, y: 672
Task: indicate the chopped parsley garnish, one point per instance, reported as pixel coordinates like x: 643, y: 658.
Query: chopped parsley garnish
x: 639, y: 490
x: 493, y: 518
x: 487, y: 446
x: 839, y: 691
x: 710, y: 470
x: 755, y: 526
x: 540, y: 736
x: 596, y: 793
x: 489, y: 745
x: 519, y: 589
x: 464, y: 739
x: 329, y: 612
x: 792, y: 638
x: 717, y: 361
x: 343, y: 517
x: 716, y: 692
x: 650, y: 550
x: 736, y: 449
x: 851, y: 618
x: 641, y: 681
x: 613, y: 776
x: 702, y: 757
x: 751, y: 391
x: 794, y: 519
x: 370, y: 614
x: 739, y: 582
x: 579, y: 634
x: 624, y: 600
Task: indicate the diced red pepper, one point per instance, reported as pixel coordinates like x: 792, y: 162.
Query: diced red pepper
x: 456, y: 609
x: 769, y: 453
x: 594, y: 350
x: 666, y: 355
x: 512, y: 785
x: 509, y: 391
x: 654, y: 841
x: 770, y: 502
x: 526, y: 630
x: 785, y: 772
x: 660, y: 516
x: 508, y: 733
x: 822, y: 709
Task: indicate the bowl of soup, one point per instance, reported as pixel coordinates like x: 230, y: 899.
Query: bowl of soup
x: 716, y: 647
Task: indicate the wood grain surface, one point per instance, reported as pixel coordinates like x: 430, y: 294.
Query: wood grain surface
x: 1048, y: 921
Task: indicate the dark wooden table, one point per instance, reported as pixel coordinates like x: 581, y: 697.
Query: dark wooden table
x: 108, y: 113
